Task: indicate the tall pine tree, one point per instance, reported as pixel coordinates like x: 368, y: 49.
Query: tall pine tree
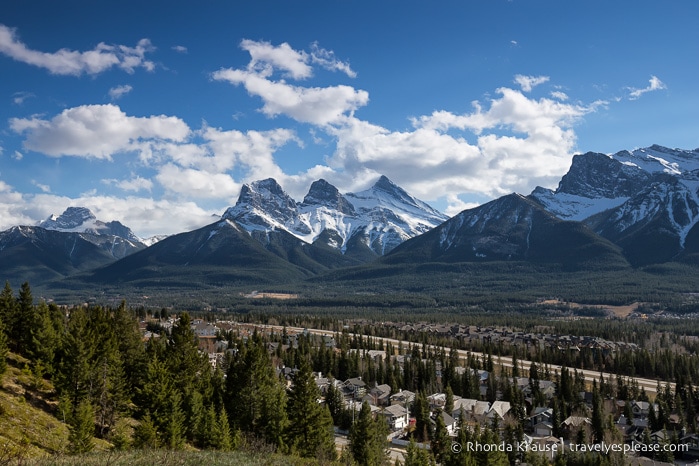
x: 368, y: 439
x: 311, y: 432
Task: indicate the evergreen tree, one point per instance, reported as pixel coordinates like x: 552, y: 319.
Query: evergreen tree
x: 334, y: 400
x: 4, y: 349
x: 495, y: 457
x: 43, y: 341
x: 415, y: 456
x: 25, y: 318
x: 82, y: 426
x: 311, y: 432
x: 597, y: 415
x: 145, y: 435
x: 76, y: 362
x: 368, y: 439
x: 421, y: 412
x: 223, y: 439
x: 256, y: 397
x: 110, y: 391
x: 441, y: 442
x: 9, y: 316
x: 174, y: 431
x: 449, y: 400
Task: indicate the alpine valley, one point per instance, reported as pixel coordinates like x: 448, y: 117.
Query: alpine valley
x: 619, y: 227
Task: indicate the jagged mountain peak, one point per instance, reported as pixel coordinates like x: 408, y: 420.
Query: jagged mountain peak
x: 645, y: 200
x: 596, y: 175
x: 262, y: 204
x: 660, y: 159
x: 112, y: 236
x: 510, y: 228
x: 322, y: 193
x: 259, y: 191
x: 383, y: 215
x: 384, y: 184
x: 72, y: 217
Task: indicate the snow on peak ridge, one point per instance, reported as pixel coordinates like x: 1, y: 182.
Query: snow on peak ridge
x: 71, y: 218
x: 385, y: 215
x: 82, y: 220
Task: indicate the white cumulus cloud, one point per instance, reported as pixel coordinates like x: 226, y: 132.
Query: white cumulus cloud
x: 315, y: 105
x: 510, y: 144
x: 96, y: 131
x: 75, y: 63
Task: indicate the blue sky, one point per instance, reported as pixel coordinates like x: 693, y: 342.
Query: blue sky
x: 155, y: 113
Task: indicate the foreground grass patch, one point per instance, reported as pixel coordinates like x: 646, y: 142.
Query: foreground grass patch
x: 175, y: 458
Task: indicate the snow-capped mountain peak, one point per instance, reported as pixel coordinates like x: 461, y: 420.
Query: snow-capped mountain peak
x: 643, y: 200
x: 113, y: 236
x: 381, y: 217
x: 322, y: 193
x: 72, y: 219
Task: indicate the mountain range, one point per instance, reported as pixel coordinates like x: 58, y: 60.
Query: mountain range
x: 611, y: 212
x: 63, y: 245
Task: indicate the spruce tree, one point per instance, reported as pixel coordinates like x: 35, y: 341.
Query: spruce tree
x: 45, y: 329
x: 421, y: 411
x: 76, y: 362
x: 256, y: 398
x: 368, y: 439
x: 311, y: 433
x: 449, y: 400
x: 334, y: 400
x: 441, y: 442
x: 223, y: 439
x: 82, y: 426
x: 415, y: 456
x: 145, y: 435
x: 4, y: 350
x: 25, y: 319
x: 8, y: 314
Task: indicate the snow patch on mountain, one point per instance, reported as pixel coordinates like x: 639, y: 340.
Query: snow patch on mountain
x: 384, y: 215
x: 573, y: 207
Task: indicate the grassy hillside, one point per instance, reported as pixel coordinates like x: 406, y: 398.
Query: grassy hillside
x: 31, y: 434
x: 28, y: 428
x: 175, y: 458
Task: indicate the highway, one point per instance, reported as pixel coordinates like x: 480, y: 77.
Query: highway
x: 649, y: 385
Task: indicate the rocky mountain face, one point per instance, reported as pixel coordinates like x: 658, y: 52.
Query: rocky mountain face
x: 63, y: 245
x: 510, y: 228
x: 362, y: 225
x: 113, y: 237
x: 646, y: 201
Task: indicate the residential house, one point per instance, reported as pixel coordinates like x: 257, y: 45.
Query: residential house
x: 204, y: 329
x: 540, y: 414
x: 573, y: 424
x: 640, y: 408
x: 403, y: 397
x: 449, y: 422
x: 355, y: 388
x: 464, y: 405
x: 380, y: 395
x: 436, y: 401
x: 543, y: 429
x: 396, y: 416
x: 498, y: 409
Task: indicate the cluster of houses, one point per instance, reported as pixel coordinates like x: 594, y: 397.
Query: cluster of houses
x: 507, y: 336
x: 394, y: 407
